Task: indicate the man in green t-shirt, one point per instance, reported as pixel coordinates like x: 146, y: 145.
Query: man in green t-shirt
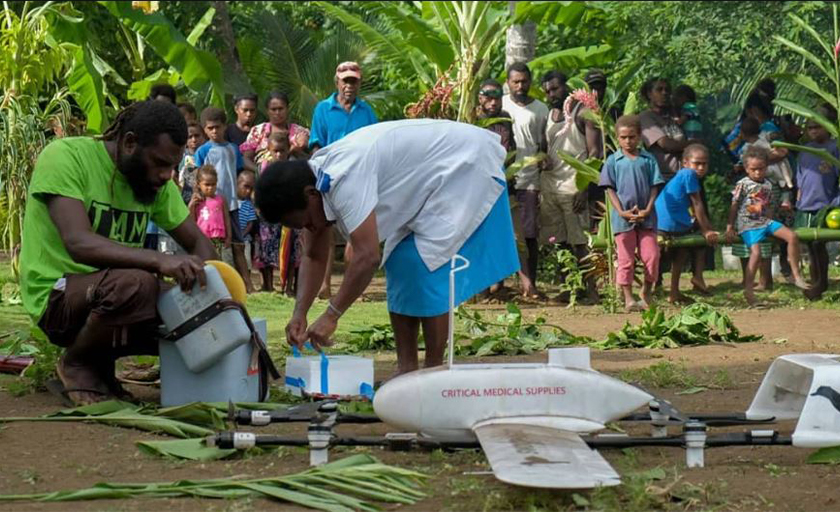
x: 85, y: 278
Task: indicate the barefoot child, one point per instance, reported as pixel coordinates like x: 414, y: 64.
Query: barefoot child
x: 268, y: 245
x: 247, y: 222
x: 817, y: 181
x: 751, y: 214
x: 210, y: 211
x: 673, y: 218
x: 632, y: 179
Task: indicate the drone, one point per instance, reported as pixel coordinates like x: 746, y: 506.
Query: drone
x: 539, y: 423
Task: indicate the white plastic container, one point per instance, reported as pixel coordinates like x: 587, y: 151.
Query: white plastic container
x: 227, y: 379
x: 730, y: 262
x: 204, y: 346
x: 346, y: 375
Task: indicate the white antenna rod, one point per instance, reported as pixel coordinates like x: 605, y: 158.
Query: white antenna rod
x: 452, y: 271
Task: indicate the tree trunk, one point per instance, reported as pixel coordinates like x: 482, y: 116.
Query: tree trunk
x: 521, y: 40
x: 224, y: 28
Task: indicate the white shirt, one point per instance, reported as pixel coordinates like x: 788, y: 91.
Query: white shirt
x: 529, y: 123
x: 436, y: 179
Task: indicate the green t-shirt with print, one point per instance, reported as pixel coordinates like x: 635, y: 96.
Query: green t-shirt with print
x: 80, y: 168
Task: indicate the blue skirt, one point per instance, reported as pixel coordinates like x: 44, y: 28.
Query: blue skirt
x: 414, y: 291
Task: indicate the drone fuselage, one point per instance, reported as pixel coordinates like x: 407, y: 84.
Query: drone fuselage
x: 447, y: 402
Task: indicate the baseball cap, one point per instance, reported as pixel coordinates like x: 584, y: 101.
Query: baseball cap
x: 348, y: 69
x: 595, y: 76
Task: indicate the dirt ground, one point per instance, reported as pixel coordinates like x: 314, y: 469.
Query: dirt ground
x: 39, y: 457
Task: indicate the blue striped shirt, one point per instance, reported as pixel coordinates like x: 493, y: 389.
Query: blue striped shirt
x: 246, y: 215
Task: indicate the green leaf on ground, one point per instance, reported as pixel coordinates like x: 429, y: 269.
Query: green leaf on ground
x: 830, y: 455
x: 189, y: 449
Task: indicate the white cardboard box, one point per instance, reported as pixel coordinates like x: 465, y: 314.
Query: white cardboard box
x: 345, y: 376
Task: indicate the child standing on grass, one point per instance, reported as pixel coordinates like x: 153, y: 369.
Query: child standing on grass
x: 673, y: 217
x: 227, y: 161
x: 268, y: 247
x: 818, y: 189
x: 247, y: 221
x: 751, y: 214
x: 632, y: 179
x: 209, y: 210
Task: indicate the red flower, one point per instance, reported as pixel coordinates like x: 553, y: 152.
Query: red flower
x: 837, y: 49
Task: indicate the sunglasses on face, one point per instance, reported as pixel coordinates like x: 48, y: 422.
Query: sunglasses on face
x: 491, y: 93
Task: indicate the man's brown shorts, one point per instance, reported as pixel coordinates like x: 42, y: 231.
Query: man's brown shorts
x: 125, y: 299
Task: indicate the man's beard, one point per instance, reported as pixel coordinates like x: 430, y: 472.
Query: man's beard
x: 520, y: 98
x: 558, y: 102
x: 491, y: 113
x: 135, y: 173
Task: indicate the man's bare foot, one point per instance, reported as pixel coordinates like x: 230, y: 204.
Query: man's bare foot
x: 679, y: 298
x: 82, y: 384
x: 749, y: 295
x: 700, y: 287
x: 801, y: 283
x: 325, y: 293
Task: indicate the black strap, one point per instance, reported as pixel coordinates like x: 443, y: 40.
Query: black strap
x: 263, y: 358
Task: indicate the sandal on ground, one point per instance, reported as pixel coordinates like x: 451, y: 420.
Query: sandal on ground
x: 101, y: 389
x: 57, y: 389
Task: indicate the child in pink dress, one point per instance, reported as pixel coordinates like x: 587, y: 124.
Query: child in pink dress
x: 210, y: 212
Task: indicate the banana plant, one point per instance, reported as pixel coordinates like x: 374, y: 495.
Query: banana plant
x: 826, y: 66
x: 429, y: 40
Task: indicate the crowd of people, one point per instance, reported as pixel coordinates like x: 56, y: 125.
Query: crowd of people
x: 222, y: 161
x: 189, y: 185
x: 653, y: 182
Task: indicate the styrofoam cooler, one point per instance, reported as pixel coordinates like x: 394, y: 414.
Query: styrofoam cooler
x: 227, y: 379
x: 344, y: 376
x: 201, y: 348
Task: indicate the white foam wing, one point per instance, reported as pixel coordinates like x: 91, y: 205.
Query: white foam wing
x: 538, y: 456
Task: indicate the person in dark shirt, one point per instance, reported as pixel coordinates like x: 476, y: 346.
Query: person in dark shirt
x: 245, y: 107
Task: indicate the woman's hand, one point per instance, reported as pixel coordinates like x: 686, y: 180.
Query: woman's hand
x: 296, y: 331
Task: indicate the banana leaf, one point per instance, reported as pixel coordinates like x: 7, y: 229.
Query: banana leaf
x: 808, y: 113
x: 808, y: 83
x: 820, y: 152
x: 830, y: 455
x: 129, y: 418
x: 199, y: 69
x: 353, y: 483
x: 189, y: 449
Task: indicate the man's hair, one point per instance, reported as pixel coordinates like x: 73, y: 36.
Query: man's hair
x: 755, y: 152
x: 750, y: 126
x: 489, y: 81
x: 519, y: 67
x: 280, y: 189
x: 277, y: 95
x: 188, y: 107
x: 213, y: 114
x: 694, y: 148
x: 629, y: 122
x: 245, y: 97
x: 165, y: 90
x: 205, y: 170
x: 147, y: 120
x: 759, y: 101
x: 551, y: 75
x: 647, y: 87
x: 685, y: 91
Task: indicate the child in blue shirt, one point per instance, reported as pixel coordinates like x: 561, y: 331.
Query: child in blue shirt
x: 674, y: 219
x: 225, y: 157
x: 632, y: 179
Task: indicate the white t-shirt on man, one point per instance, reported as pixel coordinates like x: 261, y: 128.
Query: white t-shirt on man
x: 436, y: 179
x: 529, y: 123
